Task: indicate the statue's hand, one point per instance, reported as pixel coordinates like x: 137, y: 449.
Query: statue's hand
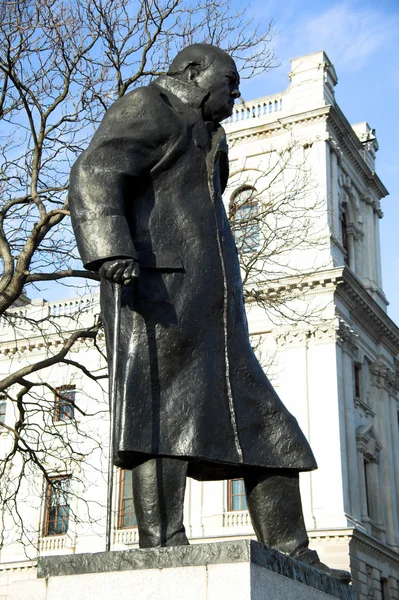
x: 120, y: 270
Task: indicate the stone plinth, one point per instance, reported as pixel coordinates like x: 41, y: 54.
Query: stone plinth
x: 234, y: 570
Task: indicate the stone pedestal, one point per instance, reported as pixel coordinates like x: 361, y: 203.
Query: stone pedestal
x: 234, y: 570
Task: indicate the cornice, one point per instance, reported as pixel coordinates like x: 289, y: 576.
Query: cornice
x: 18, y: 566
x: 348, y: 287
x: 357, y: 537
x: 331, y: 535
x: 319, y: 281
x: 375, y: 547
x: 279, y: 125
x: 40, y: 346
x: 346, y: 138
x: 365, y: 310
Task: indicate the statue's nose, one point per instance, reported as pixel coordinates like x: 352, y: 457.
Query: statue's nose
x: 236, y: 94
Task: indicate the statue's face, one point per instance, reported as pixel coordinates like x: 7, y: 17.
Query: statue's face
x: 221, y: 80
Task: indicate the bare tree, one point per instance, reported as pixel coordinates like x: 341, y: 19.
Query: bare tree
x: 62, y: 63
x: 276, y: 214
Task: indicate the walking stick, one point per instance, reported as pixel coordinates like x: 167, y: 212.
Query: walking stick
x: 112, y: 406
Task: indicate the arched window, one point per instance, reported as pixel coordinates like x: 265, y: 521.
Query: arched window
x: 244, y: 217
x: 351, y: 229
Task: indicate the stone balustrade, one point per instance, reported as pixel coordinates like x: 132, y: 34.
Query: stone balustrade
x: 54, y: 543
x: 267, y: 106
x: 31, y: 315
x: 126, y: 536
x: 236, y: 518
x: 66, y: 308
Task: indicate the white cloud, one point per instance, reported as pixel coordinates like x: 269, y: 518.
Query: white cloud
x: 352, y: 32
x: 349, y: 35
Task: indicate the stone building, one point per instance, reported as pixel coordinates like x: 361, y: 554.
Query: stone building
x: 304, y: 201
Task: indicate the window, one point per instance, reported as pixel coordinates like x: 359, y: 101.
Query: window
x: 57, y: 506
x: 369, y: 449
x: 356, y: 380
x: 65, y: 403
x: 244, y: 214
x: 344, y: 234
x: 368, y: 486
x: 384, y: 589
x: 127, y: 517
x: 237, y: 499
x: 3, y: 407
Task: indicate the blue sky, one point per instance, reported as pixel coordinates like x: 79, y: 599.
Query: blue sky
x: 362, y: 41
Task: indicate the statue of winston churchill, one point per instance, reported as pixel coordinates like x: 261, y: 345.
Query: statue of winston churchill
x: 191, y: 398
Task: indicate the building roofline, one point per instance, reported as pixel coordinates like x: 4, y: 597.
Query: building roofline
x: 344, y: 132
x: 365, y: 309
x: 354, y: 147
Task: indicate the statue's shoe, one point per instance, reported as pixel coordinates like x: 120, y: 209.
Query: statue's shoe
x: 311, y: 558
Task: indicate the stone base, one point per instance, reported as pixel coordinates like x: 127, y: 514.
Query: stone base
x: 234, y: 570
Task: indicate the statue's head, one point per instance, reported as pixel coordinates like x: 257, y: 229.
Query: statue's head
x: 212, y: 70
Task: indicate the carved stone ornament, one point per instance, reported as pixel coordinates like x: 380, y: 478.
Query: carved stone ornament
x: 292, y: 337
x: 368, y: 444
x: 384, y: 377
x: 335, y: 147
x: 346, y: 182
x: 375, y: 203
x: 298, y: 337
x: 347, y: 338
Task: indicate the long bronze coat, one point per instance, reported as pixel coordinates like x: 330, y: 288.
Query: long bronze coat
x: 150, y: 187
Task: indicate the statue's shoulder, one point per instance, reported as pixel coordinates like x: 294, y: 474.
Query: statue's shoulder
x: 137, y: 118
x: 142, y: 103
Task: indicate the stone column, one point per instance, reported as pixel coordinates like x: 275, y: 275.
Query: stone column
x: 388, y: 493
x: 354, y: 507
x: 378, y: 510
x: 359, y: 253
x: 346, y: 352
x: 352, y: 254
x: 392, y: 589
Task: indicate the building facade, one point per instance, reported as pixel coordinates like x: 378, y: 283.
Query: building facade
x: 304, y: 202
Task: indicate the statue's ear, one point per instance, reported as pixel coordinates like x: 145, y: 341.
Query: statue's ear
x: 193, y: 72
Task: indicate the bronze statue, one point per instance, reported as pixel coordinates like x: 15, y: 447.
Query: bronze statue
x: 191, y: 398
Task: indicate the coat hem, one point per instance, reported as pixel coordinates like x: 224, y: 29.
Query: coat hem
x: 206, y: 469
